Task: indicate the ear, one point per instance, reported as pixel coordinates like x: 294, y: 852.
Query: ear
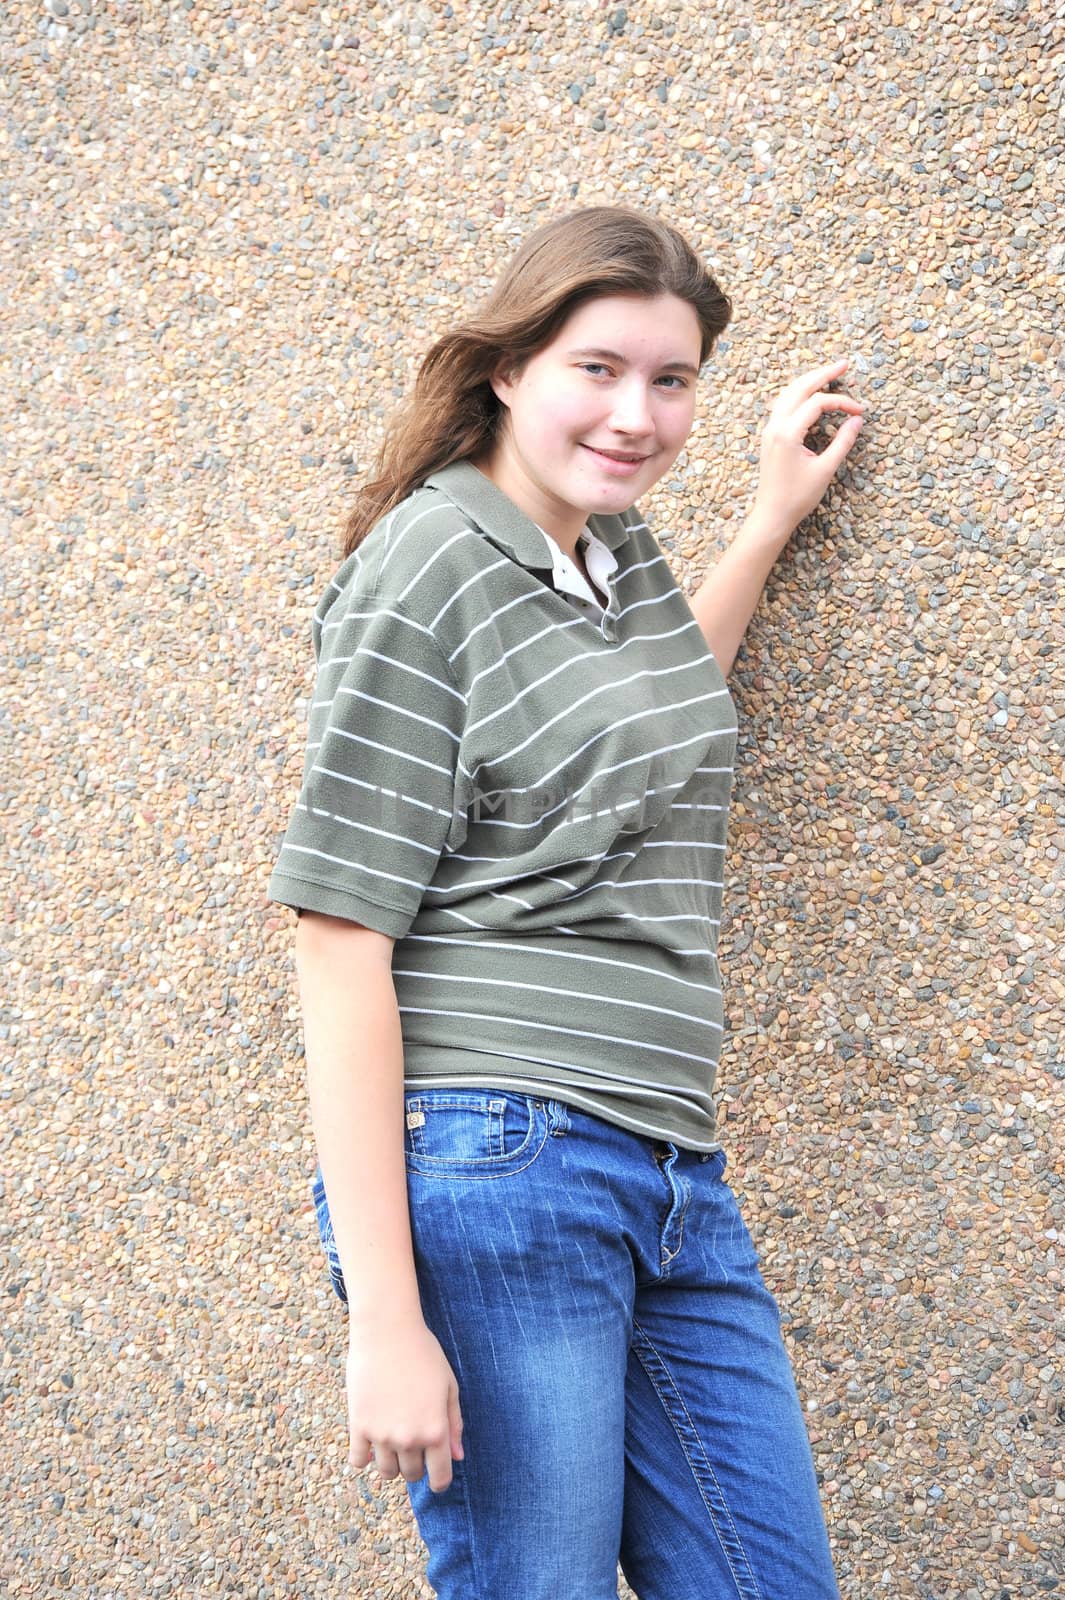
x: 501, y: 379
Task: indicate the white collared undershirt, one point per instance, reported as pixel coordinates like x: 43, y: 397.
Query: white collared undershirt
x: 601, y: 562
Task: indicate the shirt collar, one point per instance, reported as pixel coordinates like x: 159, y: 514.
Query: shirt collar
x: 599, y: 558
x: 496, y: 514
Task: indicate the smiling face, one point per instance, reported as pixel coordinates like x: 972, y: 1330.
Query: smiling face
x: 568, y: 403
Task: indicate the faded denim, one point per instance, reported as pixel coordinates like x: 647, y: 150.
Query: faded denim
x: 626, y: 1395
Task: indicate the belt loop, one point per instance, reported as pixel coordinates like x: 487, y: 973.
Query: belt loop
x: 558, y: 1117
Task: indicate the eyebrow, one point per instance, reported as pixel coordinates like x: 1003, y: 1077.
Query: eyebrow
x: 613, y: 355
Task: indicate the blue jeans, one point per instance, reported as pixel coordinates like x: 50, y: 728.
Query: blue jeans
x: 625, y: 1392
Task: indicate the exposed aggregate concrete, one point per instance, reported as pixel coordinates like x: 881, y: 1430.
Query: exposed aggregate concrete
x: 230, y: 232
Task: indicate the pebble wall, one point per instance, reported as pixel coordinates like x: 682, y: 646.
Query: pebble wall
x: 230, y: 231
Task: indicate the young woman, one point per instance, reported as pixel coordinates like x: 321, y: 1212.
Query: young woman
x: 507, y: 855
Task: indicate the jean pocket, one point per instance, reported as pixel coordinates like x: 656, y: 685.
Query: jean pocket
x: 472, y: 1133
x: 325, y: 1234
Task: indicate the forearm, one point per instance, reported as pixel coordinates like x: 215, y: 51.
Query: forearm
x: 727, y: 599
x: 354, y: 1051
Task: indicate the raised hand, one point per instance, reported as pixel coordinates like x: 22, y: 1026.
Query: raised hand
x: 793, y: 478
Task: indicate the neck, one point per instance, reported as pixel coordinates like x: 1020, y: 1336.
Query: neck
x: 525, y: 495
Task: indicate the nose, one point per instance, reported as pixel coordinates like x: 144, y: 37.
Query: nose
x: 632, y: 411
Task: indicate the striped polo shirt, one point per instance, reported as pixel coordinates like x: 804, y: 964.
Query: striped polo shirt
x: 530, y: 800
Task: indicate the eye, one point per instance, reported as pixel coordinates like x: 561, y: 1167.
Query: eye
x: 586, y: 366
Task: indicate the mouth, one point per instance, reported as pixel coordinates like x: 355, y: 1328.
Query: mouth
x: 615, y: 455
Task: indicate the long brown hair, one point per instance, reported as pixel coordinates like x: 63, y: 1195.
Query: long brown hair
x: 453, y: 411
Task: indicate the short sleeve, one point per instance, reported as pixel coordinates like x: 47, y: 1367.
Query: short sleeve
x: 376, y: 801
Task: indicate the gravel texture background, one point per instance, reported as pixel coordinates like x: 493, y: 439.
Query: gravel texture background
x: 230, y: 232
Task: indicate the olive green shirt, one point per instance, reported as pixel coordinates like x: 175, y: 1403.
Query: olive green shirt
x: 531, y: 800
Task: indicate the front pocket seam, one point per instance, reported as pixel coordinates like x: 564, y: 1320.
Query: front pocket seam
x: 496, y: 1112
x: 475, y: 1167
